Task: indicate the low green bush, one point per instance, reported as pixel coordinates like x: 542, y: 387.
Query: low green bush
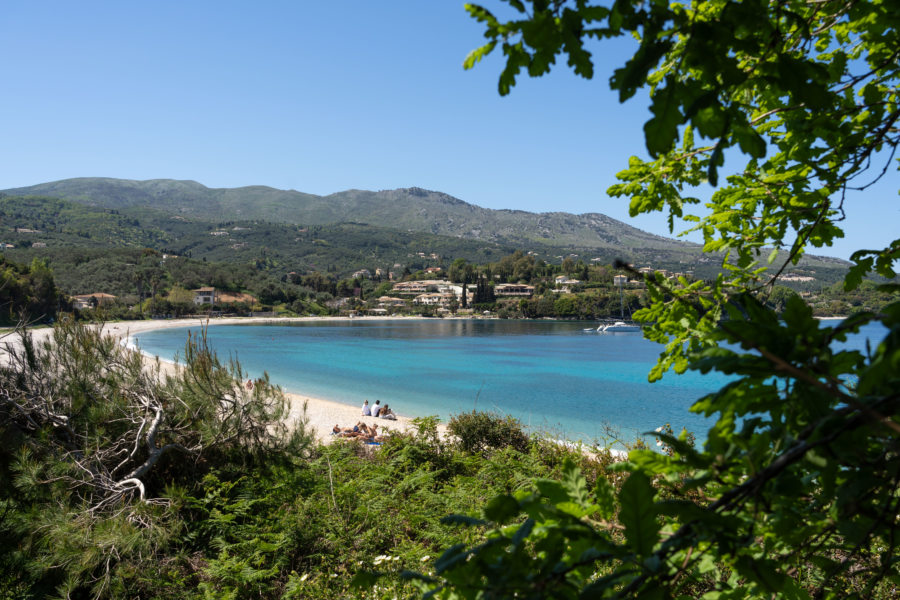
x: 483, y: 431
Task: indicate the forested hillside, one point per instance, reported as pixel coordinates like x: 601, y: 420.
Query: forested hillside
x: 409, y: 209
x: 62, y: 231
x: 43, y: 226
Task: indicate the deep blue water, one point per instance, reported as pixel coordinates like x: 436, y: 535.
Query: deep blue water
x: 551, y: 375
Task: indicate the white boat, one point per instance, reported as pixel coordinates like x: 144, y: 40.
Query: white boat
x: 619, y: 327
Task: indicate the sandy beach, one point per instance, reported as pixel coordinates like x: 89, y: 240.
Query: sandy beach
x: 322, y: 414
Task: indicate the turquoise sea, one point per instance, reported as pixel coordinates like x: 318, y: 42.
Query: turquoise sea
x: 553, y: 376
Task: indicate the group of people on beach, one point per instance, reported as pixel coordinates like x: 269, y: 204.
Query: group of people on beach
x: 377, y: 410
x: 367, y: 433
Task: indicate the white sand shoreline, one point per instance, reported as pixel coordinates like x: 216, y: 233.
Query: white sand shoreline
x: 322, y: 414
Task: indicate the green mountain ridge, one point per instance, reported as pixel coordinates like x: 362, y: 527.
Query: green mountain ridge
x: 412, y: 209
x: 178, y: 215
x: 68, y: 233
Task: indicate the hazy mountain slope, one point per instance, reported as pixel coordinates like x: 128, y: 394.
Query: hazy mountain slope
x: 187, y: 198
x: 423, y: 210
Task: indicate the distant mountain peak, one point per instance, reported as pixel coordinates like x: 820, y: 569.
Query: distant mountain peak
x: 418, y: 192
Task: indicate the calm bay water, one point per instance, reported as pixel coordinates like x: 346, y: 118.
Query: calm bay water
x: 552, y: 375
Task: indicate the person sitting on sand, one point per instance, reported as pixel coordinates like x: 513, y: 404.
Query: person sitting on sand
x: 387, y: 413
x: 366, y: 410
x: 377, y: 408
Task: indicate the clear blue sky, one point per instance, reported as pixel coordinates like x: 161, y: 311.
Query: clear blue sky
x: 319, y: 97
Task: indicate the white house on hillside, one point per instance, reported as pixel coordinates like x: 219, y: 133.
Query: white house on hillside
x: 513, y: 289
x: 88, y: 301
x: 205, y: 295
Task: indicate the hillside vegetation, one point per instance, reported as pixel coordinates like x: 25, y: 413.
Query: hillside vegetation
x: 384, y: 226
x: 409, y: 209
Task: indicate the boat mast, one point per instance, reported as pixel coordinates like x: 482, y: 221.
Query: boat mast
x: 619, y: 281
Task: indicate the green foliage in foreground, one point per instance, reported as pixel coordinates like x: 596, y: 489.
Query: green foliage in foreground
x: 795, y: 493
x: 96, y: 446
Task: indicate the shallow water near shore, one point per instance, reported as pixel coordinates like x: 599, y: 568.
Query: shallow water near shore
x: 553, y: 376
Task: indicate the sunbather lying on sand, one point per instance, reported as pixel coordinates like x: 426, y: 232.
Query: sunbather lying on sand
x: 360, y: 430
x: 354, y: 431
x: 367, y: 433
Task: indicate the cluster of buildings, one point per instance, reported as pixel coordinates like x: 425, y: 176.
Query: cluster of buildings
x: 796, y: 277
x: 432, y: 292
x: 666, y: 274
x: 442, y: 293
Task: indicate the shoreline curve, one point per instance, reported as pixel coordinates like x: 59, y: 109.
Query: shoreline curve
x: 321, y: 413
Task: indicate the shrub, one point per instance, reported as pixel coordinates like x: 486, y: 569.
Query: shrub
x: 95, y: 442
x: 481, y: 431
